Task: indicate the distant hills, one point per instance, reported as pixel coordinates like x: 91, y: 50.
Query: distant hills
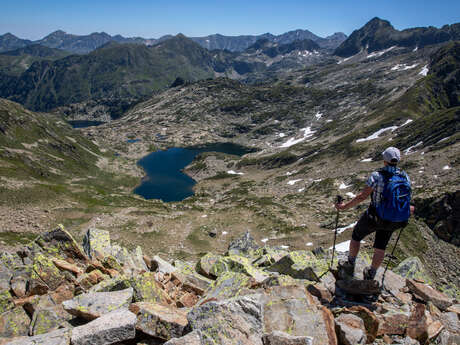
x: 379, y: 34
x: 86, y: 43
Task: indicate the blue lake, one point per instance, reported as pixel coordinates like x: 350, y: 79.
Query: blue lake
x: 84, y: 123
x: 165, y: 179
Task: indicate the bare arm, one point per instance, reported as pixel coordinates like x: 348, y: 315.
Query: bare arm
x: 356, y: 200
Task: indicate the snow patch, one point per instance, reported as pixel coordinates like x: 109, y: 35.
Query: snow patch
x: 281, y: 135
x: 289, y: 173
x: 344, y: 60
x: 410, y: 150
x: 264, y: 240
x: 318, y: 115
x: 343, y: 246
x: 224, y: 232
x: 293, y: 182
x: 344, y: 186
x: 307, y: 133
x: 407, y: 122
x: 301, y: 190
x: 424, y: 71
x: 366, y: 160
x: 340, y: 230
x: 415, y: 49
x: 284, y: 247
x: 446, y: 167
x: 380, y: 53
x: 309, y: 244
x: 376, y: 134
x: 231, y: 172
x: 350, y: 194
x: 403, y: 67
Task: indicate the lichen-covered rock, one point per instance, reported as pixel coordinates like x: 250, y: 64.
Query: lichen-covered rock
x: 192, y: 282
x: 116, y: 326
x: 147, y: 289
x: 279, y: 280
x: 112, y: 284
x: 281, y: 338
x: 269, y: 256
x: 236, y: 263
x: 427, y: 293
x: 226, y: 286
x: 96, y: 243
x: 291, y: 309
x: 88, y: 280
x: 48, y: 319
x: 6, y: 301
x: 59, y: 243
x: 92, y: 305
x: 229, y: 322
x: 412, y: 268
x: 46, y: 271
x: 14, y: 323
x: 133, y: 262
x: 300, y: 265
x: 193, y: 338
x: 57, y: 337
x: 159, y: 321
x: 204, y: 265
x: 245, y: 245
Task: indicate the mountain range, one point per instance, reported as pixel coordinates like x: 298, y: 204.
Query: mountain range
x: 86, y: 43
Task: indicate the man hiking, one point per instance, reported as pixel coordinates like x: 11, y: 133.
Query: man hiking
x: 389, y: 210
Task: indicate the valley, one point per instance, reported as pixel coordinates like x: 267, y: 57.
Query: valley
x: 317, y: 122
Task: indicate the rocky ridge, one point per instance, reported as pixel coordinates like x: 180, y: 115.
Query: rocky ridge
x: 55, y: 291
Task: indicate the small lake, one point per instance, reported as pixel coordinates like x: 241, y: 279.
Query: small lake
x: 165, y: 179
x: 84, y: 123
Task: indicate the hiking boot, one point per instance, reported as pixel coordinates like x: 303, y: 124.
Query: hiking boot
x: 346, y: 269
x: 369, y: 273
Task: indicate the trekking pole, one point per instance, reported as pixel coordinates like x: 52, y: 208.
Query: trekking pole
x: 391, y: 256
x: 339, y: 200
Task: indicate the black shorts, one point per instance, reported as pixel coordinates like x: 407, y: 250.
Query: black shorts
x: 370, y: 222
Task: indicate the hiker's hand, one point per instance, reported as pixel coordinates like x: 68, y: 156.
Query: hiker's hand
x: 340, y: 207
x: 412, y: 210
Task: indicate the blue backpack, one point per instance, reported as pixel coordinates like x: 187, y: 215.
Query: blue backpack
x: 395, y: 199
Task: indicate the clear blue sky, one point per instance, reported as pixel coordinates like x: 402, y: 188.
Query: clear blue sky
x: 33, y: 19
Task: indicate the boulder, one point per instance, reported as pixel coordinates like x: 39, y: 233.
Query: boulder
x: 244, y: 246
x: 147, y: 289
x: 57, y: 337
x: 229, y: 322
x: 281, y: 338
x: 192, y: 282
x: 96, y: 243
x: 427, y: 293
x: 14, y: 323
x: 393, y: 321
x: 359, y: 287
x: 6, y: 301
x: 48, y: 319
x: 291, y: 309
x: 412, y: 268
x: 92, y: 305
x: 350, y: 330
x: 320, y: 291
x: 300, y: 264
x: 450, y: 322
x: 393, y: 283
x: 160, y: 321
x: 45, y: 271
x: 371, y: 322
x: 160, y: 265
x: 236, y: 263
x: 206, y: 262
x: 418, y: 324
x: 226, y: 286
x: 279, y: 280
x: 193, y: 338
x: 60, y: 244
x: 112, y: 284
x: 88, y: 280
x: 269, y: 256
x: 116, y: 326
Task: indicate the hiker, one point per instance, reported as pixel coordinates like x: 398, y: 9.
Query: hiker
x: 370, y: 221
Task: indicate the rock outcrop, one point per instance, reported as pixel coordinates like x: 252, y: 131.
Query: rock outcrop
x: 54, y: 292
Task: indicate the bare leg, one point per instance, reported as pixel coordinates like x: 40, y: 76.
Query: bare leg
x: 354, y: 248
x: 377, y: 259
